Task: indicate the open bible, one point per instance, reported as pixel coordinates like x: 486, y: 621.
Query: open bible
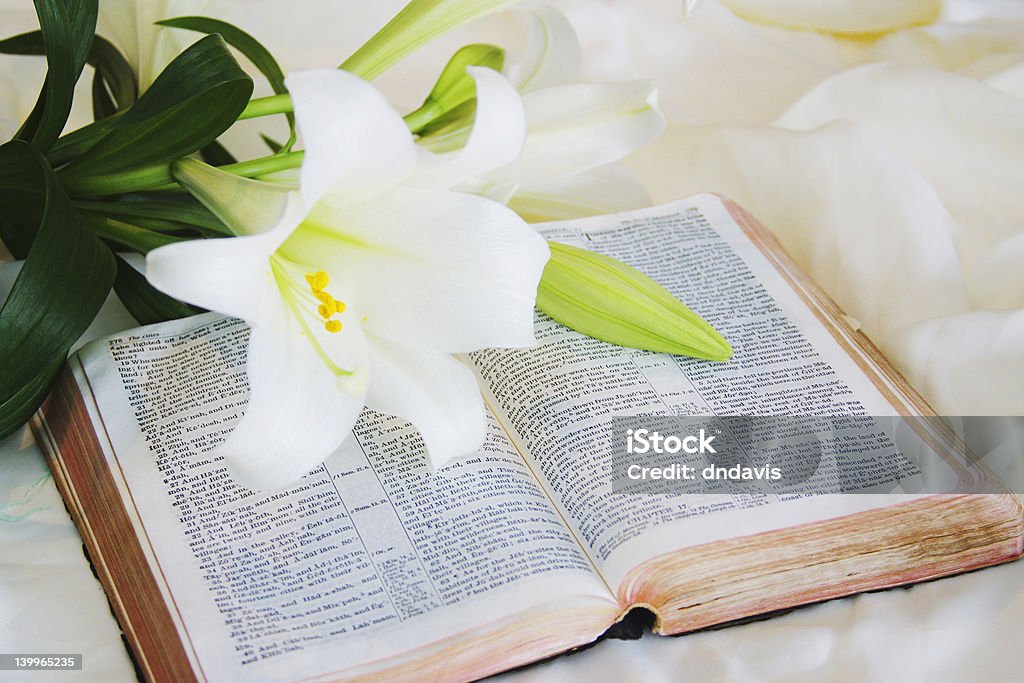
x: 374, y: 566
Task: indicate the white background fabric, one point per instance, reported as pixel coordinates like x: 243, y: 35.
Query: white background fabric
x: 889, y: 164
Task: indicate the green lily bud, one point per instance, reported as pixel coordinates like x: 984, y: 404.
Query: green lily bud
x: 608, y: 300
x: 455, y: 87
x: 419, y: 22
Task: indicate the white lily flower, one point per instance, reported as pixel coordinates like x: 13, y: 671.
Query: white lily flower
x: 575, y: 132
x: 580, y: 127
x: 553, y: 55
x: 359, y: 285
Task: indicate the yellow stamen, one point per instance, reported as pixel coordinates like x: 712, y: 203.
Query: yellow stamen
x: 303, y: 305
x: 329, y: 306
x: 318, y: 281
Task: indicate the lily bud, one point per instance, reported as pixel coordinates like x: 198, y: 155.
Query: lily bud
x: 455, y: 87
x: 418, y: 23
x: 604, y: 298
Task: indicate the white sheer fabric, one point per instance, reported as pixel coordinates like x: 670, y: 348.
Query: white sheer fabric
x: 888, y: 165
x: 884, y: 148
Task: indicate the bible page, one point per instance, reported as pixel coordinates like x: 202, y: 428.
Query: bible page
x: 559, y: 398
x: 370, y: 555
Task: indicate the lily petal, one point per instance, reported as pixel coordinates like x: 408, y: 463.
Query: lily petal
x: 357, y: 145
x: 148, y: 47
x: 574, y: 128
x: 434, y: 391
x: 842, y: 17
x: 553, y: 54
x: 499, y: 132
x: 607, y: 189
x: 246, y: 207
x: 297, y: 416
x: 452, y: 271
x: 231, y: 275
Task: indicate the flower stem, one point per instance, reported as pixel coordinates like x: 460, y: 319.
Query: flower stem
x: 126, y: 234
x: 282, y: 104
x: 267, y: 106
x: 264, y: 165
x: 149, y: 178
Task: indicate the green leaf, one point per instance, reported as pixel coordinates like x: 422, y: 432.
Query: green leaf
x: 609, y: 300
x: 253, y: 50
x: 67, y: 30
x: 16, y: 409
x: 145, y: 303
x: 76, y: 143
x: 195, y: 99
x: 112, y: 69
x: 65, y: 279
x: 114, y: 86
x: 17, y: 241
x: 22, y: 212
x: 30, y: 43
x: 270, y: 142
x: 102, y: 102
x: 216, y: 154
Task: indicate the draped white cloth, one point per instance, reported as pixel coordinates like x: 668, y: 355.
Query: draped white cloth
x: 882, y: 141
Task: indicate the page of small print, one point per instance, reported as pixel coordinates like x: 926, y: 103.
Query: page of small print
x: 372, y: 553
